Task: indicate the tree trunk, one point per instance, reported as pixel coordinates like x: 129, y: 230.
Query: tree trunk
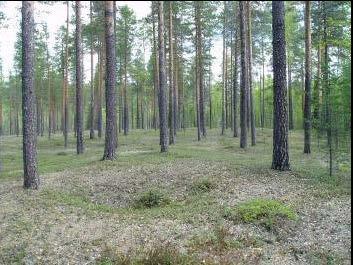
x: 210, y: 92
x: 181, y: 103
x: 66, y: 105
x: 162, y: 81
x: 235, y: 79
x: 50, y: 101
x: 31, y: 178
x: 10, y: 116
x: 290, y: 98
x: 171, y: 79
x: 327, y: 89
x: 17, y: 122
x: 200, y: 66
x: 226, y: 85
x: 138, y: 118
x: 1, y: 119
x: 100, y: 94
x: 263, y: 87
x: 91, y: 122
x: 120, y: 104
x: 317, y: 88
x: 79, y: 81
x: 224, y: 71
x: 249, y: 45
x: 307, y: 103
x: 110, y: 91
x: 126, y: 113
x: 244, y: 78
x: 155, y: 67
x: 280, y: 159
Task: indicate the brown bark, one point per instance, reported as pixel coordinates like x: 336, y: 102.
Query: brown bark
x: 126, y: 110
x: 31, y: 178
x: 155, y: 68
x: 65, y: 92
x: 110, y: 91
x: 280, y: 158
x: 199, y: 54
x: 100, y: 94
x: 1, y: 119
x: 290, y: 98
x: 79, y: 81
x: 235, y: 78
x: 224, y: 71
x: 162, y: 81
x: 91, y: 122
x: 249, y: 45
x: 244, y: 77
x: 307, y: 103
x: 171, y: 77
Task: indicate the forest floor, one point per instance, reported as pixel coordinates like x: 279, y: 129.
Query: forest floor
x: 90, y: 212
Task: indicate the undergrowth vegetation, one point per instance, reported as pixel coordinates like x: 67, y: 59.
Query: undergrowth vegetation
x: 183, y: 197
x: 152, y: 198
x: 262, y: 211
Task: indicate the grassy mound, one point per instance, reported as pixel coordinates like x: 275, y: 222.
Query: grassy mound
x: 262, y: 211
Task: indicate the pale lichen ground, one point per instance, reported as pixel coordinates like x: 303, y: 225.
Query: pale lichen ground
x: 82, y: 211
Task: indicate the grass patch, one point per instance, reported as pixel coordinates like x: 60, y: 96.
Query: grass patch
x: 263, y: 211
x: 220, y: 240
x: 151, y: 198
x: 162, y: 255
x: 79, y: 201
x: 321, y: 257
x: 14, y: 254
x: 203, y: 185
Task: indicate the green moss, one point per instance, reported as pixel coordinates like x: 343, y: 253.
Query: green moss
x: 263, y: 211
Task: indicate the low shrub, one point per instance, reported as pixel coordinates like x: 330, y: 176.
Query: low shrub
x: 203, y: 185
x: 151, y: 198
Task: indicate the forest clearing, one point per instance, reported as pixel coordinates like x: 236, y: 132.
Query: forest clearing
x: 85, y: 211
x: 175, y: 132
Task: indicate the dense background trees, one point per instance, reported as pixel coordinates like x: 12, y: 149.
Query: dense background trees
x: 194, y: 41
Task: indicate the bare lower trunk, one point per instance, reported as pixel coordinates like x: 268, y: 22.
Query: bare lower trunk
x: 224, y: 72
x: 307, y: 103
x: 66, y: 104
x: 171, y: 77
x: 110, y: 91
x: 155, y: 68
x: 244, y: 78
x: 249, y: 45
x: 79, y: 81
x: 235, y: 80
x: 31, y: 178
x: 280, y: 159
x: 200, y: 67
x: 100, y: 95
x: 91, y: 123
x: 162, y: 81
x: 290, y: 98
